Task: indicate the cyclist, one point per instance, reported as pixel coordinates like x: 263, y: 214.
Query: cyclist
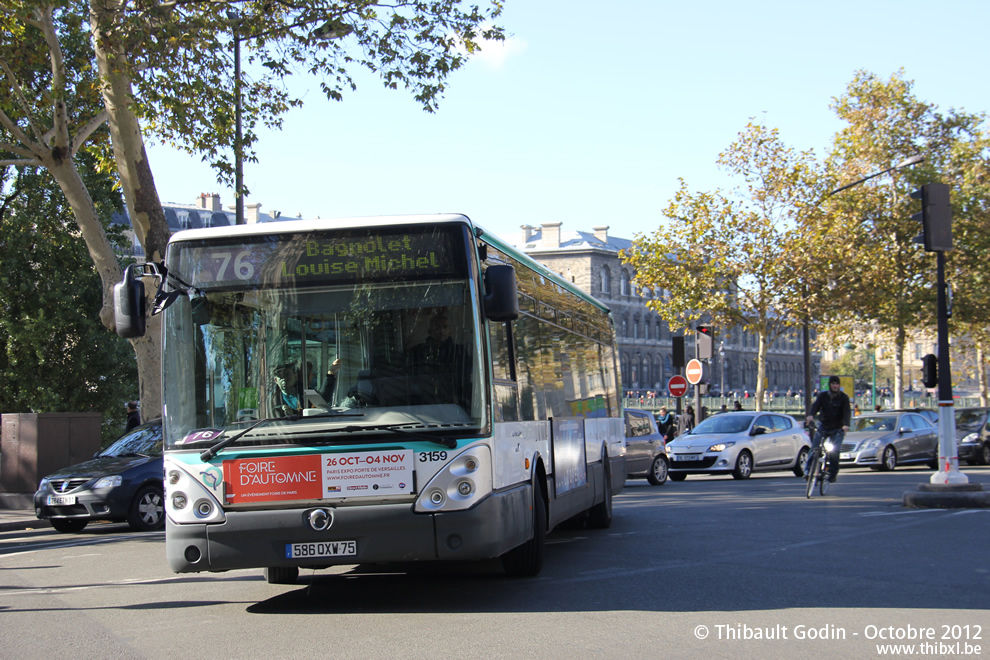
x: 832, y: 407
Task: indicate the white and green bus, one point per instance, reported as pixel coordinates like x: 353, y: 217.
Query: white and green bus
x: 375, y: 390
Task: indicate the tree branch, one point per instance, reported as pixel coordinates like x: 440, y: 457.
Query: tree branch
x: 93, y: 124
x: 32, y: 163
x: 19, y: 94
x: 15, y: 130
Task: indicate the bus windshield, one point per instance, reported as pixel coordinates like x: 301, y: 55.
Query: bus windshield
x: 330, y: 336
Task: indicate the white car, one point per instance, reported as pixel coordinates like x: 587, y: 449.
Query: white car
x: 739, y: 443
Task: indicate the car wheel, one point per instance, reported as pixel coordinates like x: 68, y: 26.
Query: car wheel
x: 526, y: 560
x: 282, y: 574
x: 147, y: 510
x: 678, y: 476
x: 801, y: 460
x: 985, y: 454
x: 744, y: 466
x: 69, y: 525
x: 888, y: 461
x: 658, y: 471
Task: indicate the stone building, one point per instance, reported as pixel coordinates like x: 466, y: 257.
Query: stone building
x: 206, y: 211
x: 591, y: 261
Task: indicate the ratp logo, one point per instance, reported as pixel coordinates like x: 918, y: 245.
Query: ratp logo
x: 212, y: 477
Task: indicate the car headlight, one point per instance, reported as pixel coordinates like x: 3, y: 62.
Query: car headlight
x: 722, y: 446
x: 970, y: 439
x: 43, y: 484
x: 871, y: 444
x: 108, y: 482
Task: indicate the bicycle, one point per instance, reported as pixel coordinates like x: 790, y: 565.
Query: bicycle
x: 818, y: 470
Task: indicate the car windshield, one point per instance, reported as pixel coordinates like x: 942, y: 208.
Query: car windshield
x: 875, y: 423
x: 969, y: 419
x: 144, y: 440
x: 724, y: 424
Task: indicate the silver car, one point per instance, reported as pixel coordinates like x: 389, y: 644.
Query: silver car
x: 883, y: 441
x: 645, y: 455
x: 739, y: 443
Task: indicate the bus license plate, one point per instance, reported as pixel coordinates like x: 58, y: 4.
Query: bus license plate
x: 61, y: 500
x: 325, y: 549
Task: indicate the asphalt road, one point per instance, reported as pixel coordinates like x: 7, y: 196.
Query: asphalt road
x: 708, y: 567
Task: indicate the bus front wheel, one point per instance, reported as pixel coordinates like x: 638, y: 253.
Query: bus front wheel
x: 526, y: 560
x: 282, y: 574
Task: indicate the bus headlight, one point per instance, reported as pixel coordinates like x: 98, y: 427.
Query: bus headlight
x: 187, y: 500
x: 461, y: 484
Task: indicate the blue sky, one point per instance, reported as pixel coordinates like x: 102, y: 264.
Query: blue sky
x: 591, y: 111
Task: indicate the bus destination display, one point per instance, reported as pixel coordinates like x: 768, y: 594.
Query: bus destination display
x: 301, y: 260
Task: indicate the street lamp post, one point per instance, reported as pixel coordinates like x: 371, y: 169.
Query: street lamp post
x: 721, y: 368
x: 332, y: 29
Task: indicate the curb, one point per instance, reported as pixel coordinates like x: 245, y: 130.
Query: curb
x: 20, y: 525
x: 937, y: 496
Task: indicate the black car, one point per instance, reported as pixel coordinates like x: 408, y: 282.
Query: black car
x: 122, y: 482
x: 973, y: 435
x: 927, y: 413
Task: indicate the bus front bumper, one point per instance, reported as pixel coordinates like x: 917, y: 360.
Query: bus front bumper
x: 380, y: 533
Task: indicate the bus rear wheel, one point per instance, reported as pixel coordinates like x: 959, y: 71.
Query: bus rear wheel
x: 526, y: 560
x: 600, y: 515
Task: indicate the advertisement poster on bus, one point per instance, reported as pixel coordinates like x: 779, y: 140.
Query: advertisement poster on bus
x: 569, y: 466
x: 318, y: 476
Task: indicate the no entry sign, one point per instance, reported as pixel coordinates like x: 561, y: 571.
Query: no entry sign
x: 694, y: 371
x: 677, y: 386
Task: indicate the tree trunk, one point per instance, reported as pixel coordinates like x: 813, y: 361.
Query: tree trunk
x: 70, y: 182
x: 981, y: 372
x: 900, y: 338
x: 761, y: 370
x: 138, y: 184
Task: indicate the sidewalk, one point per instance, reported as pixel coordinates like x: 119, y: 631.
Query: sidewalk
x: 19, y: 519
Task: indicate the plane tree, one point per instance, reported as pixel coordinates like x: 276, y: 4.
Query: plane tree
x: 888, y: 290
x: 163, y: 67
x: 733, y: 257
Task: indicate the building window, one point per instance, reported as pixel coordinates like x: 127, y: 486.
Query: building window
x: 624, y: 284
x: 606, y: 280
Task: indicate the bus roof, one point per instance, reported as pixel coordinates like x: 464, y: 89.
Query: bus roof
x: 540, y: 268
x: 322, y: 224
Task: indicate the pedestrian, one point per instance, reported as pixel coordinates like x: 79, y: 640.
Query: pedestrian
x: 737, y: 406
x: 686, y: 421
x: 133, y: 416
x: 665, y: 424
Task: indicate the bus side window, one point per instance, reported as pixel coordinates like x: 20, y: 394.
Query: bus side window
x: 506, y: 391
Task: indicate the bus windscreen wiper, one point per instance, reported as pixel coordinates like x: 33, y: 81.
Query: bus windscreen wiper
x: 449, y: 443
x: 226, y: 442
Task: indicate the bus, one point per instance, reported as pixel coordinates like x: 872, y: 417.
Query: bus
x: 375, y: 390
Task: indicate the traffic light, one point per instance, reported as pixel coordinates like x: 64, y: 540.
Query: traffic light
x: 929, y: 371
x: 677, y: 352
x: 935, y: 217
x: 704, y: 341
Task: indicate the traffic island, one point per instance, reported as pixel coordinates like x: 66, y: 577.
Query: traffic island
x: 948, y: 496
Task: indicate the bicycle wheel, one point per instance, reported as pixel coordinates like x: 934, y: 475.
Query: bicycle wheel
x: 812, y: 474
x: 823, y: 480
